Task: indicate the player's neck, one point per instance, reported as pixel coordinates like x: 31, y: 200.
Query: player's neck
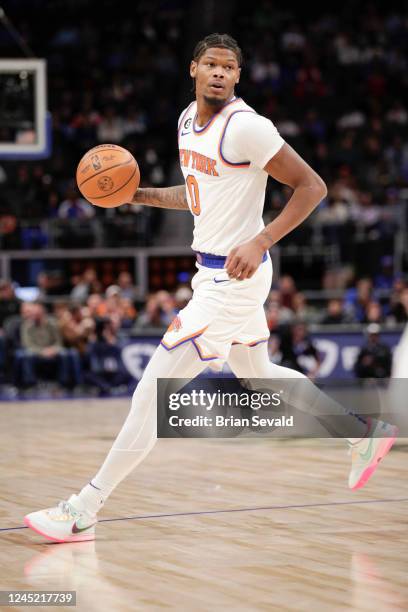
x: 205, y: 111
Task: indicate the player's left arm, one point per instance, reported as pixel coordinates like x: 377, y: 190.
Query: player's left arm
x: 287, y: 167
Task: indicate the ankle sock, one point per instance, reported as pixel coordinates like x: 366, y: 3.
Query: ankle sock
x: 90, y: 499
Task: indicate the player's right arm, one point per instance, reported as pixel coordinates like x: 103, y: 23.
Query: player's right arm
x: 162, y: 197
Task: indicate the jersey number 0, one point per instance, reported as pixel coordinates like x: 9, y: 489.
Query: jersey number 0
x: 194, y: 194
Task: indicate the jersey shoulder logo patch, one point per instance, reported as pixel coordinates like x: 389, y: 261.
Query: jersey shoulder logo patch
x: 186, y: 126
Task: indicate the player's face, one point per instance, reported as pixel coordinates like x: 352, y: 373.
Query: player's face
x: 216, y: 74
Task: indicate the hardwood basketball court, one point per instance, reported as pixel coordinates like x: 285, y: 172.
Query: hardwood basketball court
x: 202, y: 524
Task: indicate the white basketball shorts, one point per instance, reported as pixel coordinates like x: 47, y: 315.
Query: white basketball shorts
x: 222, y: 312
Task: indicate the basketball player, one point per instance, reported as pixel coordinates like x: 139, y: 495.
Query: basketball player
x: 227, y: 152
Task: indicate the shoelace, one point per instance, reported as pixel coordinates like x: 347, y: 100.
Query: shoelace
x: 66, y: 508
x: 64, y: 511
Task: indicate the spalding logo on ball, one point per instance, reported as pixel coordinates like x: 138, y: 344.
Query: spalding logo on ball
x: 108, y: 176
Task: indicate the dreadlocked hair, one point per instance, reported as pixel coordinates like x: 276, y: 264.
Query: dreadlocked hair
x: 223, y: 41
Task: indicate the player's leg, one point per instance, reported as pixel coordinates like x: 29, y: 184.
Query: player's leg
x: 400, y: 357
x: 139, y: 432
x: 373, y: 438
x: 76, y: 519
x: 249, y: 363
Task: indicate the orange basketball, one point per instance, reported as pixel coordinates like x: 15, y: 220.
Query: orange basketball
x: 108, y: 176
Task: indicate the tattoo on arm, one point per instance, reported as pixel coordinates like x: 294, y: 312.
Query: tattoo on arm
x: 166, y: 197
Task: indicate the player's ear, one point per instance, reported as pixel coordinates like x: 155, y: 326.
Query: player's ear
x: 239, y: 75
x: 193, y: 69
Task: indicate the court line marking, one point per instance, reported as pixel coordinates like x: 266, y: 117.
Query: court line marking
x: 231, y: 510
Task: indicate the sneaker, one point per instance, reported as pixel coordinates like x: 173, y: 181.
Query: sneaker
x: 63, y: 523
x: 366, y: 454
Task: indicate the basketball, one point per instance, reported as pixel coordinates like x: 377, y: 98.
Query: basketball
x: 108, y: 175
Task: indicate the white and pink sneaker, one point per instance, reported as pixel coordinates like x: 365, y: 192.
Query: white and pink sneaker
x: 368, y: 452
x: 63, y: 523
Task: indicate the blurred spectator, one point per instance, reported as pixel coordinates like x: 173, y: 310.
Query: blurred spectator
x: 367, y: 214
x: 298, y: 351
x: 111, y: 128
x: 94, y: 302
x: 182, y: 296
x: 385, y: 277
x: 399, y: 311
x: 374, y: 359
x: 75, y: 207
x: 113, y: 291
x: 44, y: 286
x: 274, y: 352
x: 373, y: 313
x: 337, y: 277
x: 118, y: 309
x: 332, y: 216
x: 166, y: 304
x: 287, y: 290
x: 42, y: 352
x: 85, y: 285
x: 276, y: 314
x: 301, y: 309
x: 106, y: 368
x: 76, y: 327
x: 128, y: 314
x: 335, y: 314
x: 127, y: 288
x: 9, y: 304
x: 152, y: 315
x: 357, y: 298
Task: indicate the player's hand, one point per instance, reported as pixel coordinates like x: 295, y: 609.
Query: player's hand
x: 243, y: 260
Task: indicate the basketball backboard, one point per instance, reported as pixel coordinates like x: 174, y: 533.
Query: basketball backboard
x: 25, y: 124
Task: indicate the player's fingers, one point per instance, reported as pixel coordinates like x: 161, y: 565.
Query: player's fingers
x: 247, y: 273
x: 230, y: 257
x: 233, y: 265
x: 240, y: 272
x: 251, y: 271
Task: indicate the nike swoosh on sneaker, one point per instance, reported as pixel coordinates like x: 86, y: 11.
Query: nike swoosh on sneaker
x: 367, y: 453
x: 76, y: 529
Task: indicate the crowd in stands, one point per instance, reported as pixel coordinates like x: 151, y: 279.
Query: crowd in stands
x: 77, y: 339
x: 361, y: 303
x: 334, y: 83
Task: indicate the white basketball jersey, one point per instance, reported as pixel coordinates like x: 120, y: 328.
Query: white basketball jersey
x: 226, y: 197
